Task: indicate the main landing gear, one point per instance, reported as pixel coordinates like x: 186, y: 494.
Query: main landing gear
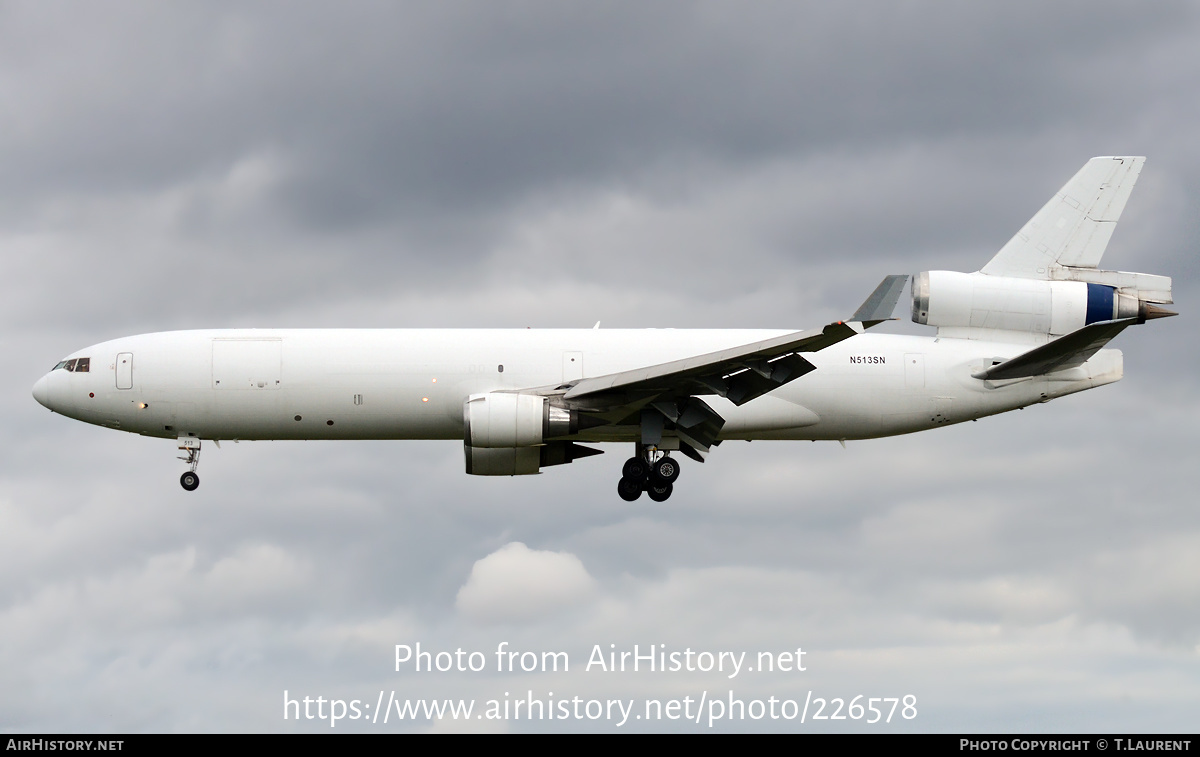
x: 191, y: 446
x: 652, y: 471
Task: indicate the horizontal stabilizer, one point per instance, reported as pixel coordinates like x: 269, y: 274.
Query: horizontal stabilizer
x: 881, y: 303
x: 1069, y: 351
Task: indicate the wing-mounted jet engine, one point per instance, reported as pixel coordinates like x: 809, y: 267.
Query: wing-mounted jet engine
x: 510, y: 434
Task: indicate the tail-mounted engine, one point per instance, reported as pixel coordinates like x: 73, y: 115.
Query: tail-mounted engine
x: 954, y: 301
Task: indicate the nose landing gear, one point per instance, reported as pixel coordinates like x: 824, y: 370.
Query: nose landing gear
x: 652, y: 471
x: 191, y: 446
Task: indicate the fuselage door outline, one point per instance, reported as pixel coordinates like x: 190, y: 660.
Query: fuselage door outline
x: 125, y: 370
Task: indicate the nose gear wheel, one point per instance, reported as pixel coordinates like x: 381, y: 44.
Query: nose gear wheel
x: 190, y: 445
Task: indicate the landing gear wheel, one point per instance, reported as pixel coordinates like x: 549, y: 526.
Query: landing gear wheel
x: 189, y: 481
x: 635, y: 468
x: 629, y: 488
x: 665, y: 471
x: 660, y: 492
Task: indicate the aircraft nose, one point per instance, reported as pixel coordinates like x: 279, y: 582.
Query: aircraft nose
x: 41, y: 391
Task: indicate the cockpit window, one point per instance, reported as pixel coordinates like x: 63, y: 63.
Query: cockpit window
x: 78, y: 365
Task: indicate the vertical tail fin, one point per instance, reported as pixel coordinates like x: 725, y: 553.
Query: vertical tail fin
x: 1045, y: 282
x: 1074, y: 227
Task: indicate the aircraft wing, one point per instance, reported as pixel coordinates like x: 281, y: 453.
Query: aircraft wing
x: 743, y: 373
x: 1065, y: 352
x: 669, y: 392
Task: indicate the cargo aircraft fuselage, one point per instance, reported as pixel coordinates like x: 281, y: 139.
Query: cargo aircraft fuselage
x: 1027, y: 328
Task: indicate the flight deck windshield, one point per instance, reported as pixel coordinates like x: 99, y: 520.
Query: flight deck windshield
x: 78, y: 365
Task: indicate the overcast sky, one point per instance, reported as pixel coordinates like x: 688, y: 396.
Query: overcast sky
x: 668, y: 164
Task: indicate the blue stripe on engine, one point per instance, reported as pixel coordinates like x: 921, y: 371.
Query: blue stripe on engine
x: 1099, y: 303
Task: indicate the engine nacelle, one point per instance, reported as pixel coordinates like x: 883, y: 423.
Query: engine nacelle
x: 506, y: 434
x: 948, y: 299
x: 502, y: 461
x: 522, y: 461
x: 504, y: 419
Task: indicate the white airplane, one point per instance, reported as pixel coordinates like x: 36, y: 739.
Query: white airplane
x: 1028, y: 327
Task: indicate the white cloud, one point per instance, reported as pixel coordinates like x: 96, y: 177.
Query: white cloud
x: 517, y: 583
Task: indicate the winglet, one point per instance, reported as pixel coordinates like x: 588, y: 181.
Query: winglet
x: 879, y: 306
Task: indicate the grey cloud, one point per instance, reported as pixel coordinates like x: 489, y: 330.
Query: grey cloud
x: 397, y: 110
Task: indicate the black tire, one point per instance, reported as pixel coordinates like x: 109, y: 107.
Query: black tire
x: 629, y: 488
x: 665, y: 471
x: 189, y: 481
x: 635, y: 468
x: 660, y: 493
